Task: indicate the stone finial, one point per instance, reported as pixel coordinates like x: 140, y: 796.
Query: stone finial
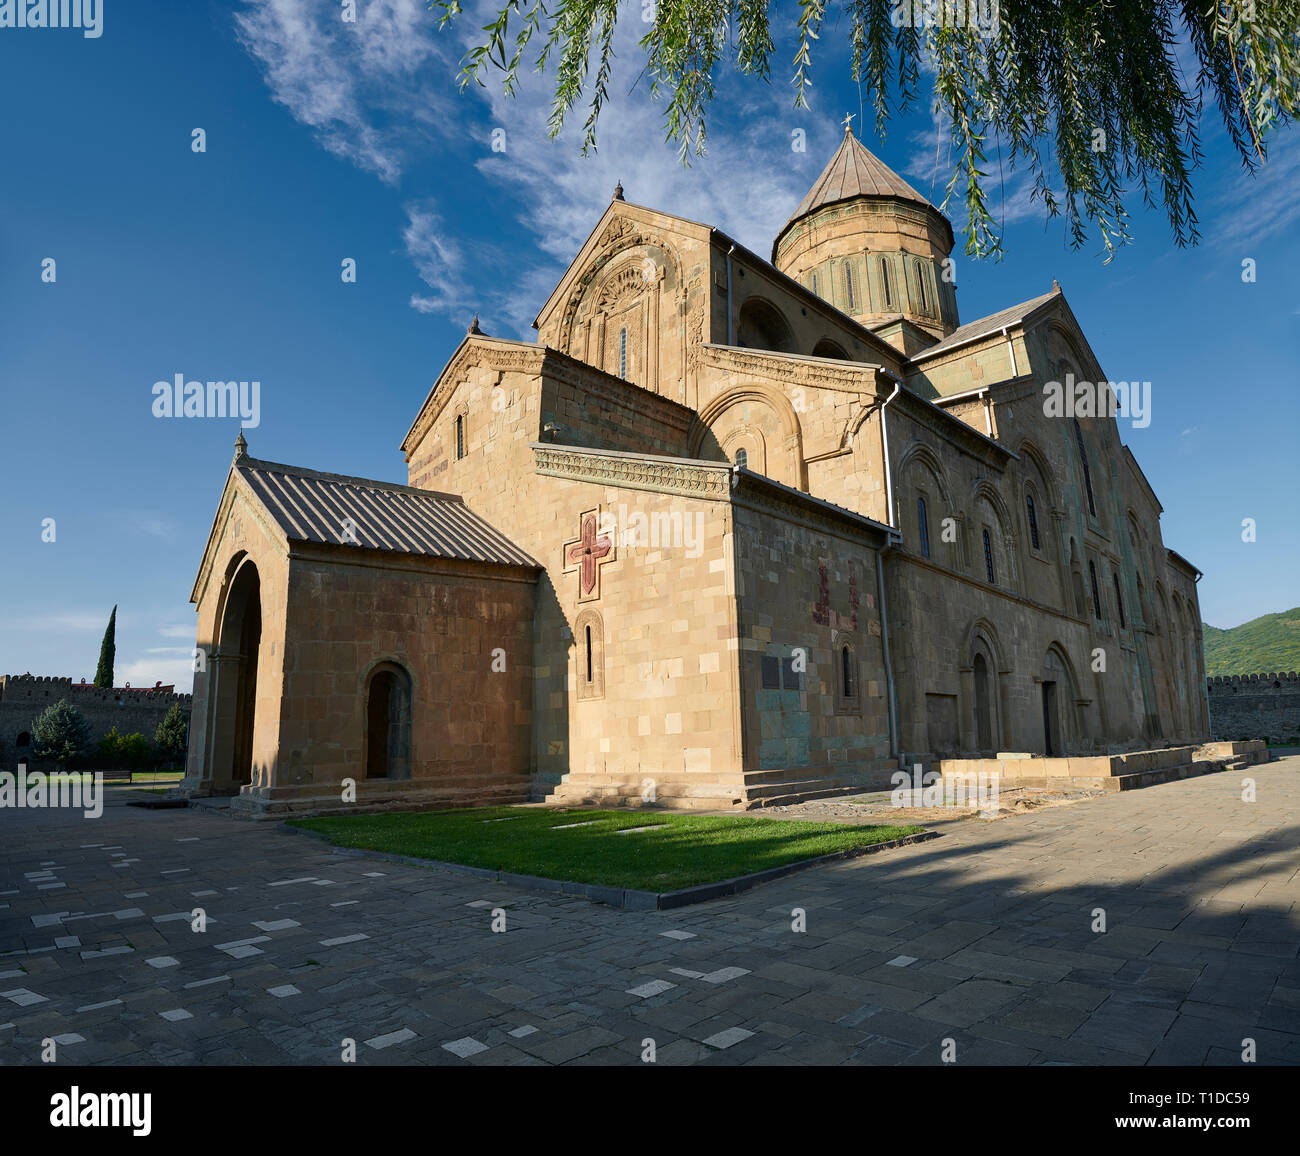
x: 241, y: 446
x: 1056, y: 285
x: 618, y: 191
x: 473, y: 327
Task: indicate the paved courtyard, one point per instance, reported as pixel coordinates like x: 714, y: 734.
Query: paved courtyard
x: 983, y: 937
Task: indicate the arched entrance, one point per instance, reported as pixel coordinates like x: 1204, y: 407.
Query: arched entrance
x: 1058, y: 696
x: 388, y: 723
x: 983, y: 705
x: 234, y: 698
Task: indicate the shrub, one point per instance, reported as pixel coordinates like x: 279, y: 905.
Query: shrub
x: 59, y: 733
x: 173, y: 735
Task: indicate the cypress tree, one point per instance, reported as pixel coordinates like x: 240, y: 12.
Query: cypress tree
x: 107, y: 653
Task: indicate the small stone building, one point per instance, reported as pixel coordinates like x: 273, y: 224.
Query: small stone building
x: 731, y: 529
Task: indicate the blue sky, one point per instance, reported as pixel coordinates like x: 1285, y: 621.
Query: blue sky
x: 328, y: 141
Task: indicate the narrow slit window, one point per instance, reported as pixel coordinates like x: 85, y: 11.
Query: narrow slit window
x: 1033, y: 521
x: 846, y: 662
x: 923, y: 524
x: 1119, y: 601
x: 589, y: 653
x: 1096, y: 592
x: 988, y: 559
x: 460, y: 436
x: 848, y: 283
x: 884, y: 281
x: 1087, y: 473
x: 622, y: 353
x: 920, y: 284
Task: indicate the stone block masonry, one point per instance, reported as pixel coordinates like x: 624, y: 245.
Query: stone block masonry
x: 1255, y: 706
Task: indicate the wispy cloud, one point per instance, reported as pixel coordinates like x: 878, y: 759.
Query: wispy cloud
x: 1247, y: 211
x: 87, y: 620
x: 374, y: 91
x: 436, y: 257
x: 370, y: 90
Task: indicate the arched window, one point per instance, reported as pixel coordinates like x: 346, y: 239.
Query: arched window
x: 848, y: 283
x: 844, y: 658
x: 1083, y: 460
x: 388, y: 723
x: 814, y: 282
x: 24, y: 739
x: 1096, y: 592
x: 1119, y: 599
x: 622, y: 353
x: 1033, y: 521
x: 923, y: 526
x: 589, y: 633
x: 742, y: 458
x: 884, y: 281
x: 920, y: 284
x: 988, y: 559
x: 460, y: 436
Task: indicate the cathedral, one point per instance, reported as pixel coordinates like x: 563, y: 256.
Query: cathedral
x: 733, y: 530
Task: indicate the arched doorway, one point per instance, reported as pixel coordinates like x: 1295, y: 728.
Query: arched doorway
x: 388, y: 723
x: 234, y: 697
x: 983, y: 705
x: 1058, y: 694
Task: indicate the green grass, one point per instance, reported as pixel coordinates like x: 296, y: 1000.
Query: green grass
x: 682, y: 851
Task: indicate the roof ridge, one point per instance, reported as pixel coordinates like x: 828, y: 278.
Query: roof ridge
x: 347, y: 479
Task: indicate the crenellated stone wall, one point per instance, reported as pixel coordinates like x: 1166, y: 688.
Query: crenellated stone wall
x: 133, y: 710
x: 1255, y: 706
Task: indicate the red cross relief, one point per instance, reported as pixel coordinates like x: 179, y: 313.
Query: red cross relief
x: 588, y: 552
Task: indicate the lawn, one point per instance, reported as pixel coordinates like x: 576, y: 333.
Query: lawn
x: 678, y: 850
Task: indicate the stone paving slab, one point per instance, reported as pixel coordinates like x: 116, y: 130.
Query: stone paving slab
x: 982, y: 941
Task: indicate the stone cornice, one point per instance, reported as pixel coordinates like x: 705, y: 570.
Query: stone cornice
x: 684, y: 476
x: 850, y: 376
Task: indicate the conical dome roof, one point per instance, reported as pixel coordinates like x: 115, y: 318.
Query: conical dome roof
x: 854, y: 172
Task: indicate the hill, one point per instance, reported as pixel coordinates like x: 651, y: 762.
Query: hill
x: 1261, y: 646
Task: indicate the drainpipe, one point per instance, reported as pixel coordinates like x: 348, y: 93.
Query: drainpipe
x: 880, y: 576
x: 1011, y: 351
x: 884, y: 444
x: 731, y: 328
x: 889, y: 666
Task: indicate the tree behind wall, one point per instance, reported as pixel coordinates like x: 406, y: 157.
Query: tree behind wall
x: 107, y: 653
x: 59, y: 733
x: 173, y: 734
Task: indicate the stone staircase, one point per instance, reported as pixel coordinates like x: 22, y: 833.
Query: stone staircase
x: 726, y: 792
x: 789, y: 785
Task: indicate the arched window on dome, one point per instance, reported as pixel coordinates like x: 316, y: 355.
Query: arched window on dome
x: 884, y: 282
x: 920, y: 284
